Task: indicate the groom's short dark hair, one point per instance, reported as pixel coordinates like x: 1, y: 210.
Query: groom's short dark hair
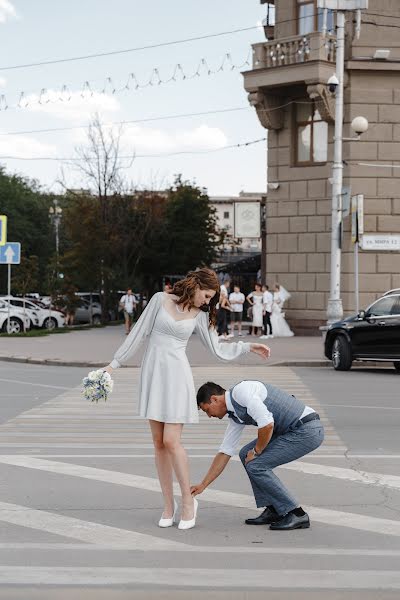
x: 207, y: 390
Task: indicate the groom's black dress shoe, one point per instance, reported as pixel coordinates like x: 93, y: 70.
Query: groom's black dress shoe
x: 267, y: 516
x: 292, y: 521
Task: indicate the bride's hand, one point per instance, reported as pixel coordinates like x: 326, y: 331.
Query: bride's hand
x: 108, y: 369
x: 261, y: 350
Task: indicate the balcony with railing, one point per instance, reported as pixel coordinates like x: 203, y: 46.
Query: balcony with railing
x: 294, y: 50
x: 288, y: 67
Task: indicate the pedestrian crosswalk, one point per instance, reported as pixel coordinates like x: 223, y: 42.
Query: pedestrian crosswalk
x: 105, y: 535
x: 68, y: 420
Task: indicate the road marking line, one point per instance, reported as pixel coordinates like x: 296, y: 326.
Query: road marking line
x: 378, y: 479
x: 86, y: 531
x: 258, y: 549
x: 327, y: 516
x: 31, y: 383
x: 358, y: 406
x: 202, y: 578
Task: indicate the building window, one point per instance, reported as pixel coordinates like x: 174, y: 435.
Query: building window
x: 311, y: 135
x: 226, y: 215
x: 310, y: 18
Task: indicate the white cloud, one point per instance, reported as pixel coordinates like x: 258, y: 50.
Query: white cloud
x: 7, y: 11
x: 72, y: 106
x: 152, y: 141
x: 24, y: 147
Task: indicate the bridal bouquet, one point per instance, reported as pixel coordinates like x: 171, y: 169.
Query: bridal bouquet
x: 97, y: 385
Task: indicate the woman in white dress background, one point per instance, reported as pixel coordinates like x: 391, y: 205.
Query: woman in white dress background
x: 255, y: 299
x: 278, y: 322
x: 167, y: 392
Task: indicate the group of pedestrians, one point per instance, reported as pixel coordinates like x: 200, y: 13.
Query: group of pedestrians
x: 265, y: 311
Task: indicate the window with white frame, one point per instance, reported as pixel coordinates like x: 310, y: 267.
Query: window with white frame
x: 310, y: 17
x: 311, y: 135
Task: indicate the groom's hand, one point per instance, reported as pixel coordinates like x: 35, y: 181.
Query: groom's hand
x: 197, y: 489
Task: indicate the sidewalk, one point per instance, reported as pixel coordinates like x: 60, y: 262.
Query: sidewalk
x: 96, y: 347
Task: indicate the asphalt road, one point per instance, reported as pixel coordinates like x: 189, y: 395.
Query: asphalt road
x: 79, y: 501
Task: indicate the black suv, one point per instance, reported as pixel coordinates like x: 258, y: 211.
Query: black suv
x: 374, y: 334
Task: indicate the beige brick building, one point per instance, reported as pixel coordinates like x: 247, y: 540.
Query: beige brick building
x: 287, y: 87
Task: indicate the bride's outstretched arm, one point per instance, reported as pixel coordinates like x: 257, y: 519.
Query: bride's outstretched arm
x: 222, y: 350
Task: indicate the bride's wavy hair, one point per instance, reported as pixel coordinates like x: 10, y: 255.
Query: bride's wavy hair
x: 185, y: 289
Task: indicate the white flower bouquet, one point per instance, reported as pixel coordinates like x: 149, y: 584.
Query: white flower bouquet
x: 97, y: 386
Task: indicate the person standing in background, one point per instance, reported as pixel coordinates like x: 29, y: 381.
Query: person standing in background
x: 224, y: 309
x: 128, y: 304
x: 236, y: 300
x: 255, y: 299
x: 268, y: 300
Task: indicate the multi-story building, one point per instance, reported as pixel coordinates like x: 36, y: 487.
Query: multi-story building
x: 287, y: 86
x: 225, y: 213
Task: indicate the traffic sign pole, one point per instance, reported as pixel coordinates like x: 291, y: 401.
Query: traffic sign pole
x: 9, y: 294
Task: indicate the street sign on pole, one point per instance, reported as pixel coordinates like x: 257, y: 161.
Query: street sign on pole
x: 379, y: 242
x: 3, y: 229
x: 10, y: 253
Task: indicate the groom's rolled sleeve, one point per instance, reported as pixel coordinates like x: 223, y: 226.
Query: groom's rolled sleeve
x: 231, y: 438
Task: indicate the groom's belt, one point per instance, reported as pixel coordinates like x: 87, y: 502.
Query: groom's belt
x: 311, y: 417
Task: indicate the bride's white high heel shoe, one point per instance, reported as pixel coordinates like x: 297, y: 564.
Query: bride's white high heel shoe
x: 192, y: 522
x: 169, y: 522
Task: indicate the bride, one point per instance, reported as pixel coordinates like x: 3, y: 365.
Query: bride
x: 279, y: 325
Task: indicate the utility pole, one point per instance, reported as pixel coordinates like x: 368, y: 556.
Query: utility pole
x: 263, y: 207
x: 335, y: 307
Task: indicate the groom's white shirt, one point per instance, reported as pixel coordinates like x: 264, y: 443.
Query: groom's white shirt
x: 250, y: 394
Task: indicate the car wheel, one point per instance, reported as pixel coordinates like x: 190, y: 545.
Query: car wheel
x: 341, y: 354
x: 50, y: 323
x: 16, y: 326
x: 396, y: 365
x: 96, y: 320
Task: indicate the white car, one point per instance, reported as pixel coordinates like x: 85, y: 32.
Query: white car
x: 17, y: 319
x: 39, y: 315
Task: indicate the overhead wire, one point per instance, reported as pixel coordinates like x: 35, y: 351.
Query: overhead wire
x: 134, y: 156
x: 87, y: 91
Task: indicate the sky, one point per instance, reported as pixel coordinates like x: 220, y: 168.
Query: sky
x: 73, y: 91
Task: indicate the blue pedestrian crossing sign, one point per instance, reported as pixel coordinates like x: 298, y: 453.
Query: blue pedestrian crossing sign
x: 3, y: 229
x: 10, y: 253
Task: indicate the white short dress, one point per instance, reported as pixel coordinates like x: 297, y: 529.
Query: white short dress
x: 167, y: 392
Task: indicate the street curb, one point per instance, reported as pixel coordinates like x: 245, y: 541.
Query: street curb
x: 54, y: 362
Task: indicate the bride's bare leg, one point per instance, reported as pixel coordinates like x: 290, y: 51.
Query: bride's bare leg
x: 180, y: 464
x: 164, y: 467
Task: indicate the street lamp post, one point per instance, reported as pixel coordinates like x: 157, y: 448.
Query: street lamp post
x: 55, y: 214
x: 335, y: 308
x: 336, y: 85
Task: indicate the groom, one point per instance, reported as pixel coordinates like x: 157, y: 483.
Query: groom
x: 287, y: 430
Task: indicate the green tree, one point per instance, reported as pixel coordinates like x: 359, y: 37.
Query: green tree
x: 26, y: 275
x: 26, y: 207
x: 191, y: 237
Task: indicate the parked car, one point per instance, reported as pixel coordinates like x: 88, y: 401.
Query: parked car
x: 373, y: 334
x: 39, y: 315
x: 17, y: 319
x: 84, y: 311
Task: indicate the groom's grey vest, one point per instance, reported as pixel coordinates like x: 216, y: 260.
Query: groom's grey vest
x: 286, y: 409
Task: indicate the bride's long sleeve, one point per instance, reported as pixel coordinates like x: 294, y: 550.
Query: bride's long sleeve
x: 141, y: 330
x: 209, y: 338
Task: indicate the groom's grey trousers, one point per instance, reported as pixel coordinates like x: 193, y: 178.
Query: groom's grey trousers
x: 267, y: 487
